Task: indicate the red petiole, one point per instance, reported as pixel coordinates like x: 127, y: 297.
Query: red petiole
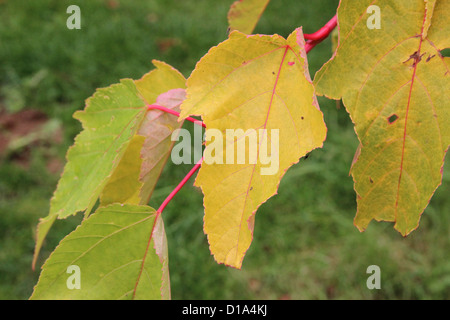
x: 323, y: 32
x: 175, y: 113
x: 315, y: 38
x: 179, y: 186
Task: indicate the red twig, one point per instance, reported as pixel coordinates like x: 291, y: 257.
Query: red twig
x: 323, y: 32
x: 155, y: 106
x: 193, y: 170
x: 320, y: 35
x: 312, y: 40
x: 179, y: 186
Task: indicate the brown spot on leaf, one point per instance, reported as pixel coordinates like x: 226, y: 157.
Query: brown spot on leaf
x: 417, y: 57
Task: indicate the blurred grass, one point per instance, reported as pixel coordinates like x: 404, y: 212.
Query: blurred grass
x: 305, y: 245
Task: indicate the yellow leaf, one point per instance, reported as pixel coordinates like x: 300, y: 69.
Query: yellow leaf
x: 258, y: 85
x: 398, y: 95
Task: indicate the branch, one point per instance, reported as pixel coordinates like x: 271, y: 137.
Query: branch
x: 323, y: 32
x: 320, y: 35
x: 157, y: 107
x: 179, y: 186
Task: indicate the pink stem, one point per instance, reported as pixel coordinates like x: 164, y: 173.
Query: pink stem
x: 180, y: 185
x: 323, y: 32
x: 320, y: 35
x: 155, y: 106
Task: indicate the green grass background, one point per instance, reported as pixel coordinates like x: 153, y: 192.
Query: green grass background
x: 305, y: 245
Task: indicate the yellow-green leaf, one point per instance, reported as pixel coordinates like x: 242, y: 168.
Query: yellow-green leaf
x: 250, y: 83
x: 397, y: 91
x: 110, y: 120
x: 112, y: 117
x: 245, y: 14
x: 124, y: 185
x: 135, y: 177
x: 119, y: 252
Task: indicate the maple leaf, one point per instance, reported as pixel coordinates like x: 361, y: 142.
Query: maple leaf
x: 250, y: 83
x: 136, y: 176
x: 158, y: 127
x: 114, y: 255
x: 111, y: 119
x: 398, y: 96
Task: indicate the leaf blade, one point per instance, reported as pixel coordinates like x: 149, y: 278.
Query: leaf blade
x: 135, y: 178
x: 115, y: 113
x: 217, y: 92
x: 397, y: 97
x: 110, y: 248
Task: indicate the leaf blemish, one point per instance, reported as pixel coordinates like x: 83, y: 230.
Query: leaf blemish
x: 392, y: 119
x: 417, y: 57
x: 291, y: 63
x: 430, y: 57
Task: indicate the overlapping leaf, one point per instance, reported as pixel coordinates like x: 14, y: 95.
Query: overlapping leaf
x: 124, y: 185
x: 120, y: 252
x: 135, y: 178
x: 111, y: 120
x: 398, y: 96
x: 244, y: 14
x: 158, y: 127
x: 256, y: 84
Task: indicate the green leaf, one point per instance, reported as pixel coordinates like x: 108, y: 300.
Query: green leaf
x: 245, y: 14
x: 258, y: 84
x: 136, y: 176
x: 111, y: 119
x: 121, y: 253
x: 398, y: 95
x: 124, y: 185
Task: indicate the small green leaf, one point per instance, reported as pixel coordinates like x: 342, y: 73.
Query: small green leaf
x: 124, y: 185
x: 111, y: 119
x: 136, y: 176
x: 120, y: 252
